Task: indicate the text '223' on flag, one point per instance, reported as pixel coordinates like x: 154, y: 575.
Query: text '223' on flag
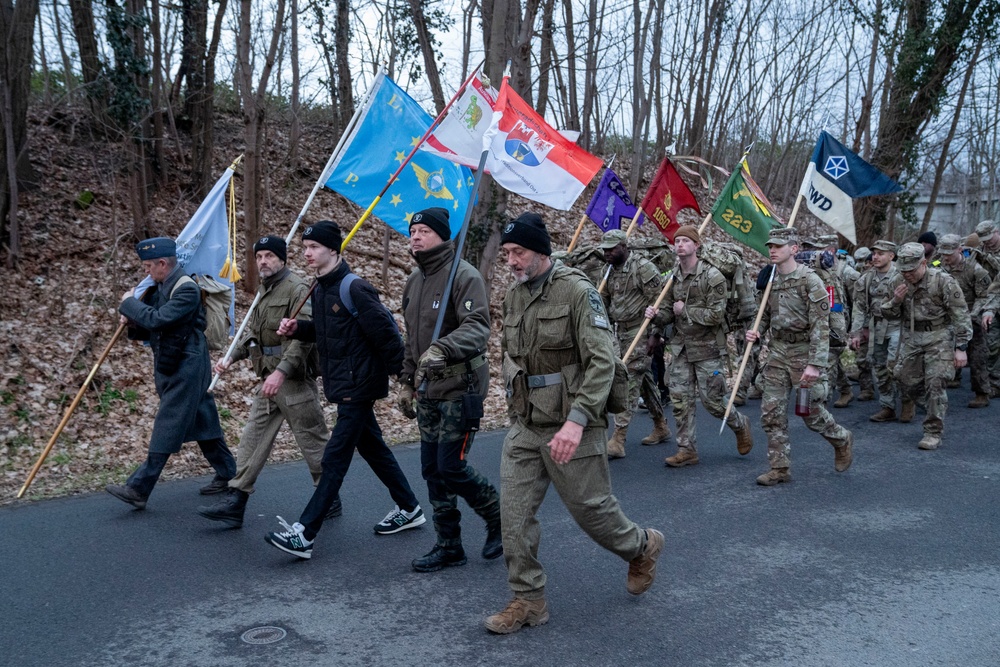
x: 744, y: 212
x: 530, y: 158
x: 388, y: 128
x: 834, y: 178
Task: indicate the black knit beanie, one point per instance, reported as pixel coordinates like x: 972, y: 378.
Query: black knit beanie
x: 436, y: 218
x: 274, y: 244
x: 325, y: 233
x: 528, y: 231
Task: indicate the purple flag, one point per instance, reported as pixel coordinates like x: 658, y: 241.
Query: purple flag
x: 610, y: 204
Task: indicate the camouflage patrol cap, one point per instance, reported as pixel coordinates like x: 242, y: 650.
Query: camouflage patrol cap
x: 783, y: 236
x: 612, y: 239
x: 862, y: 254
x: 949, y: 243
x: 821, y: 241
x: 884, y: 246
x: 909, y: 256
x: 986, y: 229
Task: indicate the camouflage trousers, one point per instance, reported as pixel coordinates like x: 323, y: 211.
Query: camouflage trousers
x: 782, y: 374
x: 979, y: 353
x: 883, y: 357
x: 583, y: 484
x: 640, y: 380
x: 296, y: 402
x: 993, y: 345
x: 690, y: 379
x: 866, y: 376
x: 444, y: 447
x: 926, y: 363
x: 752, y: 370
x: 838, y: 376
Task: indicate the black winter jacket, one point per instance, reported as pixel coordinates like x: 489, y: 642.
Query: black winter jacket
x: 356, y: 354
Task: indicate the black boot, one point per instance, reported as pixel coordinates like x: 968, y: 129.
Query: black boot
x: 336, y: 509
x: 494, y: 540
x: 440, y: 557
x: 229, y: 510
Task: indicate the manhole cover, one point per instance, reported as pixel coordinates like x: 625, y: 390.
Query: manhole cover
x: 267, y: 634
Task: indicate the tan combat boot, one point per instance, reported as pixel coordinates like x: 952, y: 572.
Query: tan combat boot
x: 616, y: 445
x: 930, y: 441
x: 980, y: 401
x: 906, y: 414
x: 953, y: 384
x: 883, y: 415
x: 845, y: 399
x: 642, y: 568
x: 683, y: 457
x: 518, y: 614
x: 754, y: 393
x: 661, y: 431
x: 843, y: 456
x: 866, y: 395
x: 744, y: 438
x: 774, y: 476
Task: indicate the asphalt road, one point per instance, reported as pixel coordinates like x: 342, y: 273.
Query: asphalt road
x: 894, y: 562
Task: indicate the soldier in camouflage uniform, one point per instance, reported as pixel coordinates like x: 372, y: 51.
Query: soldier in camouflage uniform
x: 633, y: 284
x: 988, y: 255
x: 936, y: 334
x: 871, y: 327
x: 287, y: 370
x: 836, y: 283
x: 449, y: 377
x: 975, y: 283
x: 558, y: 369
x: 697, y: 298
x: 866, y: 376
x: 797, y: 314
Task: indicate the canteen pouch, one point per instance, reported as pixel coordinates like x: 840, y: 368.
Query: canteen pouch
x: 618, y: 396
x: 472, y: 411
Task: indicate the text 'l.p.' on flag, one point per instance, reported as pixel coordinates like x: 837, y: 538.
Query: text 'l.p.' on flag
x: 203, y: 244
x: 459, y: 135
x: 744, y: 212
x: 667, y: 196
x: 388, y: 128
x: 529, y: 157
x: 834, y: 178
x: 610, y: 204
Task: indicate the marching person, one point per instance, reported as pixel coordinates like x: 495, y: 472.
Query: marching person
x: 975, y: 283
x: 936, y: 334
x: 698, y: 312
x: 797, y: 315
x: 880, y: 332
x: 357, y: 354
x: 444, y: 382
x: 633, y: 283
x: 287, y: 371
x: 172, y: 318
x: 558, y: 369
x: 987, y: 253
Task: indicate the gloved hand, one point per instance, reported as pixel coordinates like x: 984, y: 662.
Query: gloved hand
x: 433, y: 358
x: 405, y: 402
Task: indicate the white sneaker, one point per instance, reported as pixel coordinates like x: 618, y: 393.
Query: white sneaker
x: 291, y: 540
x: 398, y: 520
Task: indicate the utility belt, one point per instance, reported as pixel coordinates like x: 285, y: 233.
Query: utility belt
x: 461, y: 368
x: 537, y: 381
x: 927, y: 325
x: 630, y: 324
x: 791, y: 336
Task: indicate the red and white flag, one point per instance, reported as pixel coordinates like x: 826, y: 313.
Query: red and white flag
x: 530, y: 158
x: 459, y: 135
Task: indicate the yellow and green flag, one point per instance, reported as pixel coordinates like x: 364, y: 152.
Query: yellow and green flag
x: 744, y: 212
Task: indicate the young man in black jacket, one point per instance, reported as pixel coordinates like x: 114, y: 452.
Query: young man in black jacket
x: 359, y: 348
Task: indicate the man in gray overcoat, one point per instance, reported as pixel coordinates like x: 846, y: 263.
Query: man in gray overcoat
x: 171, y: 317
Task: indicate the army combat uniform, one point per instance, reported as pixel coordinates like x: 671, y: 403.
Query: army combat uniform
x: 880, y: 331
x: 697, y: 346
x: 990, y: 260
x: 797, y: 315
x: 974, y: 281
x: 630, y: 289
x: 836, y: 288
x: 935, y: 322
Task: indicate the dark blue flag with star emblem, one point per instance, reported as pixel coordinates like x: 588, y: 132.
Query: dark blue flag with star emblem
x: 388, y: 127
x: 835, y: 178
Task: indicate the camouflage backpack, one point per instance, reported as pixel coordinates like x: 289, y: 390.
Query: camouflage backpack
x: 728, y: 259
x: 586, y: 258
x: 658, y: 251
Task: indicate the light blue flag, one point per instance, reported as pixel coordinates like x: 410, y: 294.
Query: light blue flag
x: 836, y: 176
x: 203, y: 244
x: 388, y: 128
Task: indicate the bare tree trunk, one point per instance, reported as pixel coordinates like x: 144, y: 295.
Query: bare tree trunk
x: 91, y: 67
x: 427, y: 49
x: 295, y: 132
x: 67, y: 65
x: 156, y: 92
x: 545, y: 62
x: 342, y: 42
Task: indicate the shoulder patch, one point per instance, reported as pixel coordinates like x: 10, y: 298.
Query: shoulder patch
x: 595, y: 301
x: 468, y: 304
